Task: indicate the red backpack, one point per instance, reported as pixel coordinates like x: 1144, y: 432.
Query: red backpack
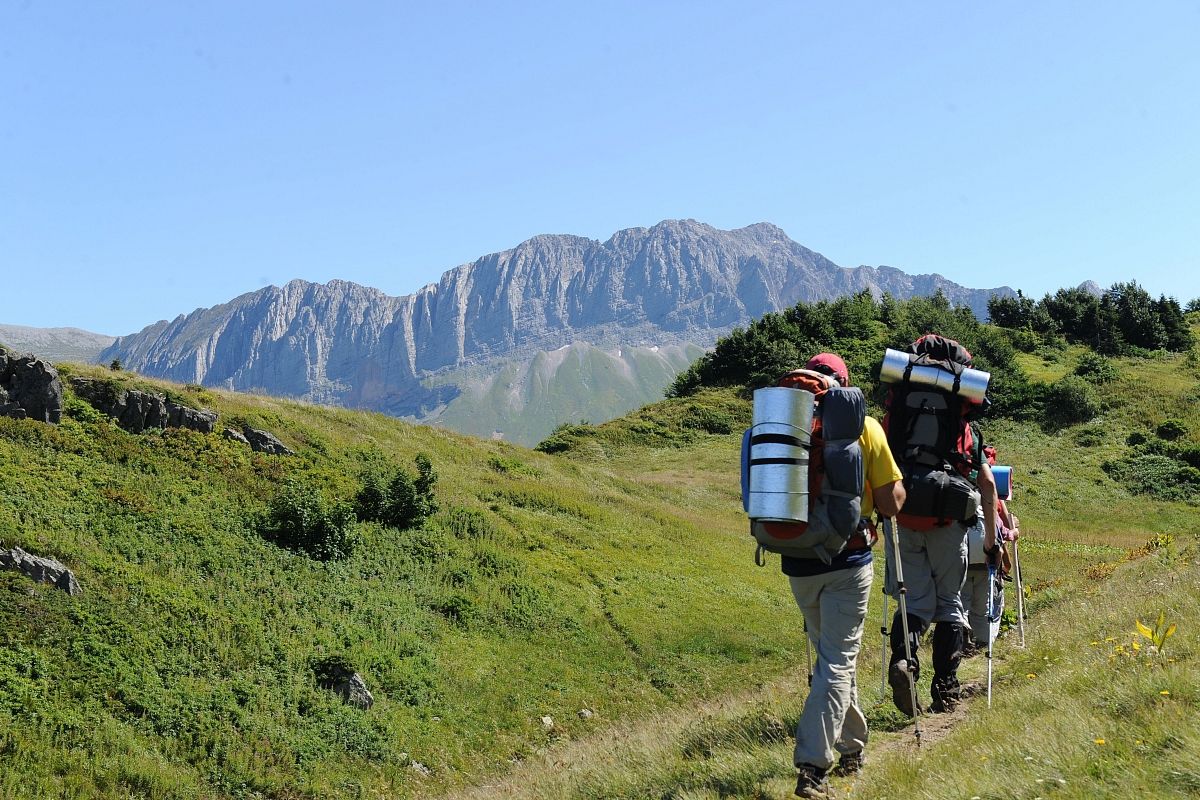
x: 929, y: 432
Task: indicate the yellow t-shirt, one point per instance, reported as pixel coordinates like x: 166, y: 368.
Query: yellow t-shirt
x: 879, y: 467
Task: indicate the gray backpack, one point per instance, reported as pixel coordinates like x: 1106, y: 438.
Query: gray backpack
x: 802, y: 466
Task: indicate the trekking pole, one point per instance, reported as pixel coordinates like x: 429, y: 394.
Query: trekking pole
x: 991, y: 612
x: 883, y: 630
x: 1020, y: 594
x: 808, y: 655
x: 901, y: 592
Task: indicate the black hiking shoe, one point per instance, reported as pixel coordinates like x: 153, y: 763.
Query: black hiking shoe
x: 849, y: 764
x: 811, y: 783
x: 902, y: 693
x: 947, y: 694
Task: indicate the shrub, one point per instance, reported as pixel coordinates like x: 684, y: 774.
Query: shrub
x: 1171, y: 429
x: 299, y: 518
x: 1156, y: 475
x: 470, y: 524
x: 709, y: 420
x: 564, y: 437
x: 399, y: 502
x: 1068, y: 401
x: 1090, y: 436
x: 1095, y: 368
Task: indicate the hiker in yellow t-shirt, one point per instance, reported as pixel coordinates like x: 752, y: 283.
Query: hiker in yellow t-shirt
x: 833, y: 599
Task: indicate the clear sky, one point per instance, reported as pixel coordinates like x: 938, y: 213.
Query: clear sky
x: 158, y: 157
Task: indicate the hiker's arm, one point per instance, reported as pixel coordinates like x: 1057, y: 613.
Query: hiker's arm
x: 1009, y: 521
x: 889, y: 498
x: 987, y: 496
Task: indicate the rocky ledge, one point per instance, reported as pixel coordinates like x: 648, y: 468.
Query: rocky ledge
x: 135, y: 410
x: 29, y: 388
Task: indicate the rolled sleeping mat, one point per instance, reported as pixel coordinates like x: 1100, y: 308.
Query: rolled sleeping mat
x: 1004, y: 487
x: 972, y: 383
x: 777, y: 462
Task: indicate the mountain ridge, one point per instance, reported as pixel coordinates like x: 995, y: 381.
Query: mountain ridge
x: 678, y: 282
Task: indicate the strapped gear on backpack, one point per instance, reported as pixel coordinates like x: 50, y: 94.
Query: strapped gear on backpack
x: 928, y: 430
x: 802, y: 466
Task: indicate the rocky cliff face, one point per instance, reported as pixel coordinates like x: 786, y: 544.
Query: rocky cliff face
x: 679, y: 282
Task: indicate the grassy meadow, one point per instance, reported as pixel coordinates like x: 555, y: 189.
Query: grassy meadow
x: 611, y: 573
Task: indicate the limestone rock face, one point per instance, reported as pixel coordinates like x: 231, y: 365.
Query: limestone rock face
x: 29, y: 388
x: 42, y: 570
x: 678, y: 283
x: 135, y: 411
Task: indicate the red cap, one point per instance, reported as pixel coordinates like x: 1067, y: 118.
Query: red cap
x: 830, y: 364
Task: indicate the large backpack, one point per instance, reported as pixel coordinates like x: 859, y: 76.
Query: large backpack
x: 930, y: 436
x: 835, y: 476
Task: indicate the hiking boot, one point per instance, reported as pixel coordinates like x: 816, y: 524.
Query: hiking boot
x: 946, y: 694
x: 849, y: 764
x: 811, y: 783
x: 898, y: 679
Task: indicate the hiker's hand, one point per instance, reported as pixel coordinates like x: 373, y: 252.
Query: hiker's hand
x: 993, y: 555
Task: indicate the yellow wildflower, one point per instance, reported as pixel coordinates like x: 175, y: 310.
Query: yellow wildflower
x: 1098, y: 741
x: 1165, y: 693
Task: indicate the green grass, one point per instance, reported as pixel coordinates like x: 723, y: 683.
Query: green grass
x: 544, y: 586
x: 615, y: 575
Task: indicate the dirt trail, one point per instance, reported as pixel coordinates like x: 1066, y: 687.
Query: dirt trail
x: 634, y: 745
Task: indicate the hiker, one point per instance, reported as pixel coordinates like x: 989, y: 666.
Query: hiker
x: 948, y: 487
x: 975, y: 588
x: 833, y: 599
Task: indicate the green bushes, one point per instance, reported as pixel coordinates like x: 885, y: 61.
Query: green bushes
x: 1068, y: 401
x: 1171, y: 429
x: 401, y: 500
x: 1159, y: 476
x: 1095, y: 368
x: 299, y: 518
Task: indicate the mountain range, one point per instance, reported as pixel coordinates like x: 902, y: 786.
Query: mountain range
x: 558, y: 329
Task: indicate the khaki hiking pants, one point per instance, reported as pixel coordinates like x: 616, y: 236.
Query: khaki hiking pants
x: 935, y: 566
x: 975, y: 600
x: 834, y: 607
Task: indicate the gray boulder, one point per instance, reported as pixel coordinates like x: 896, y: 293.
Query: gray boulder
x: 235, y: 436
x: 135, y: 410
x: 29, y: 388
x: 42, y: 570
x: 354, y: 692
x: 340, y: 678
x: 264, y: 442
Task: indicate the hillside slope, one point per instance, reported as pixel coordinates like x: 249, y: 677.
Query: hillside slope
x: 613, y: 576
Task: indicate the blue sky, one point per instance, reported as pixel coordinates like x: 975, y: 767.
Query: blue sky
x: 159, y: 157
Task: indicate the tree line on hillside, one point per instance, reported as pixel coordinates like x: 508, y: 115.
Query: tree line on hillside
x: 858, y: 327
x: 1120, y: 321
x: 1125, y: 320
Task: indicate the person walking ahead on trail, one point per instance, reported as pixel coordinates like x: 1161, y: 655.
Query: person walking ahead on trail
x: 975, y: 591
x: 833, y: 599
x: 928, y: 431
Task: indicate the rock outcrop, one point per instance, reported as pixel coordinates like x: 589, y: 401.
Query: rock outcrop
x: 42, y: 570
x: 265, y: 442
x: 343, y: 681
x: 135, y: 410
x: 29, y: 388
